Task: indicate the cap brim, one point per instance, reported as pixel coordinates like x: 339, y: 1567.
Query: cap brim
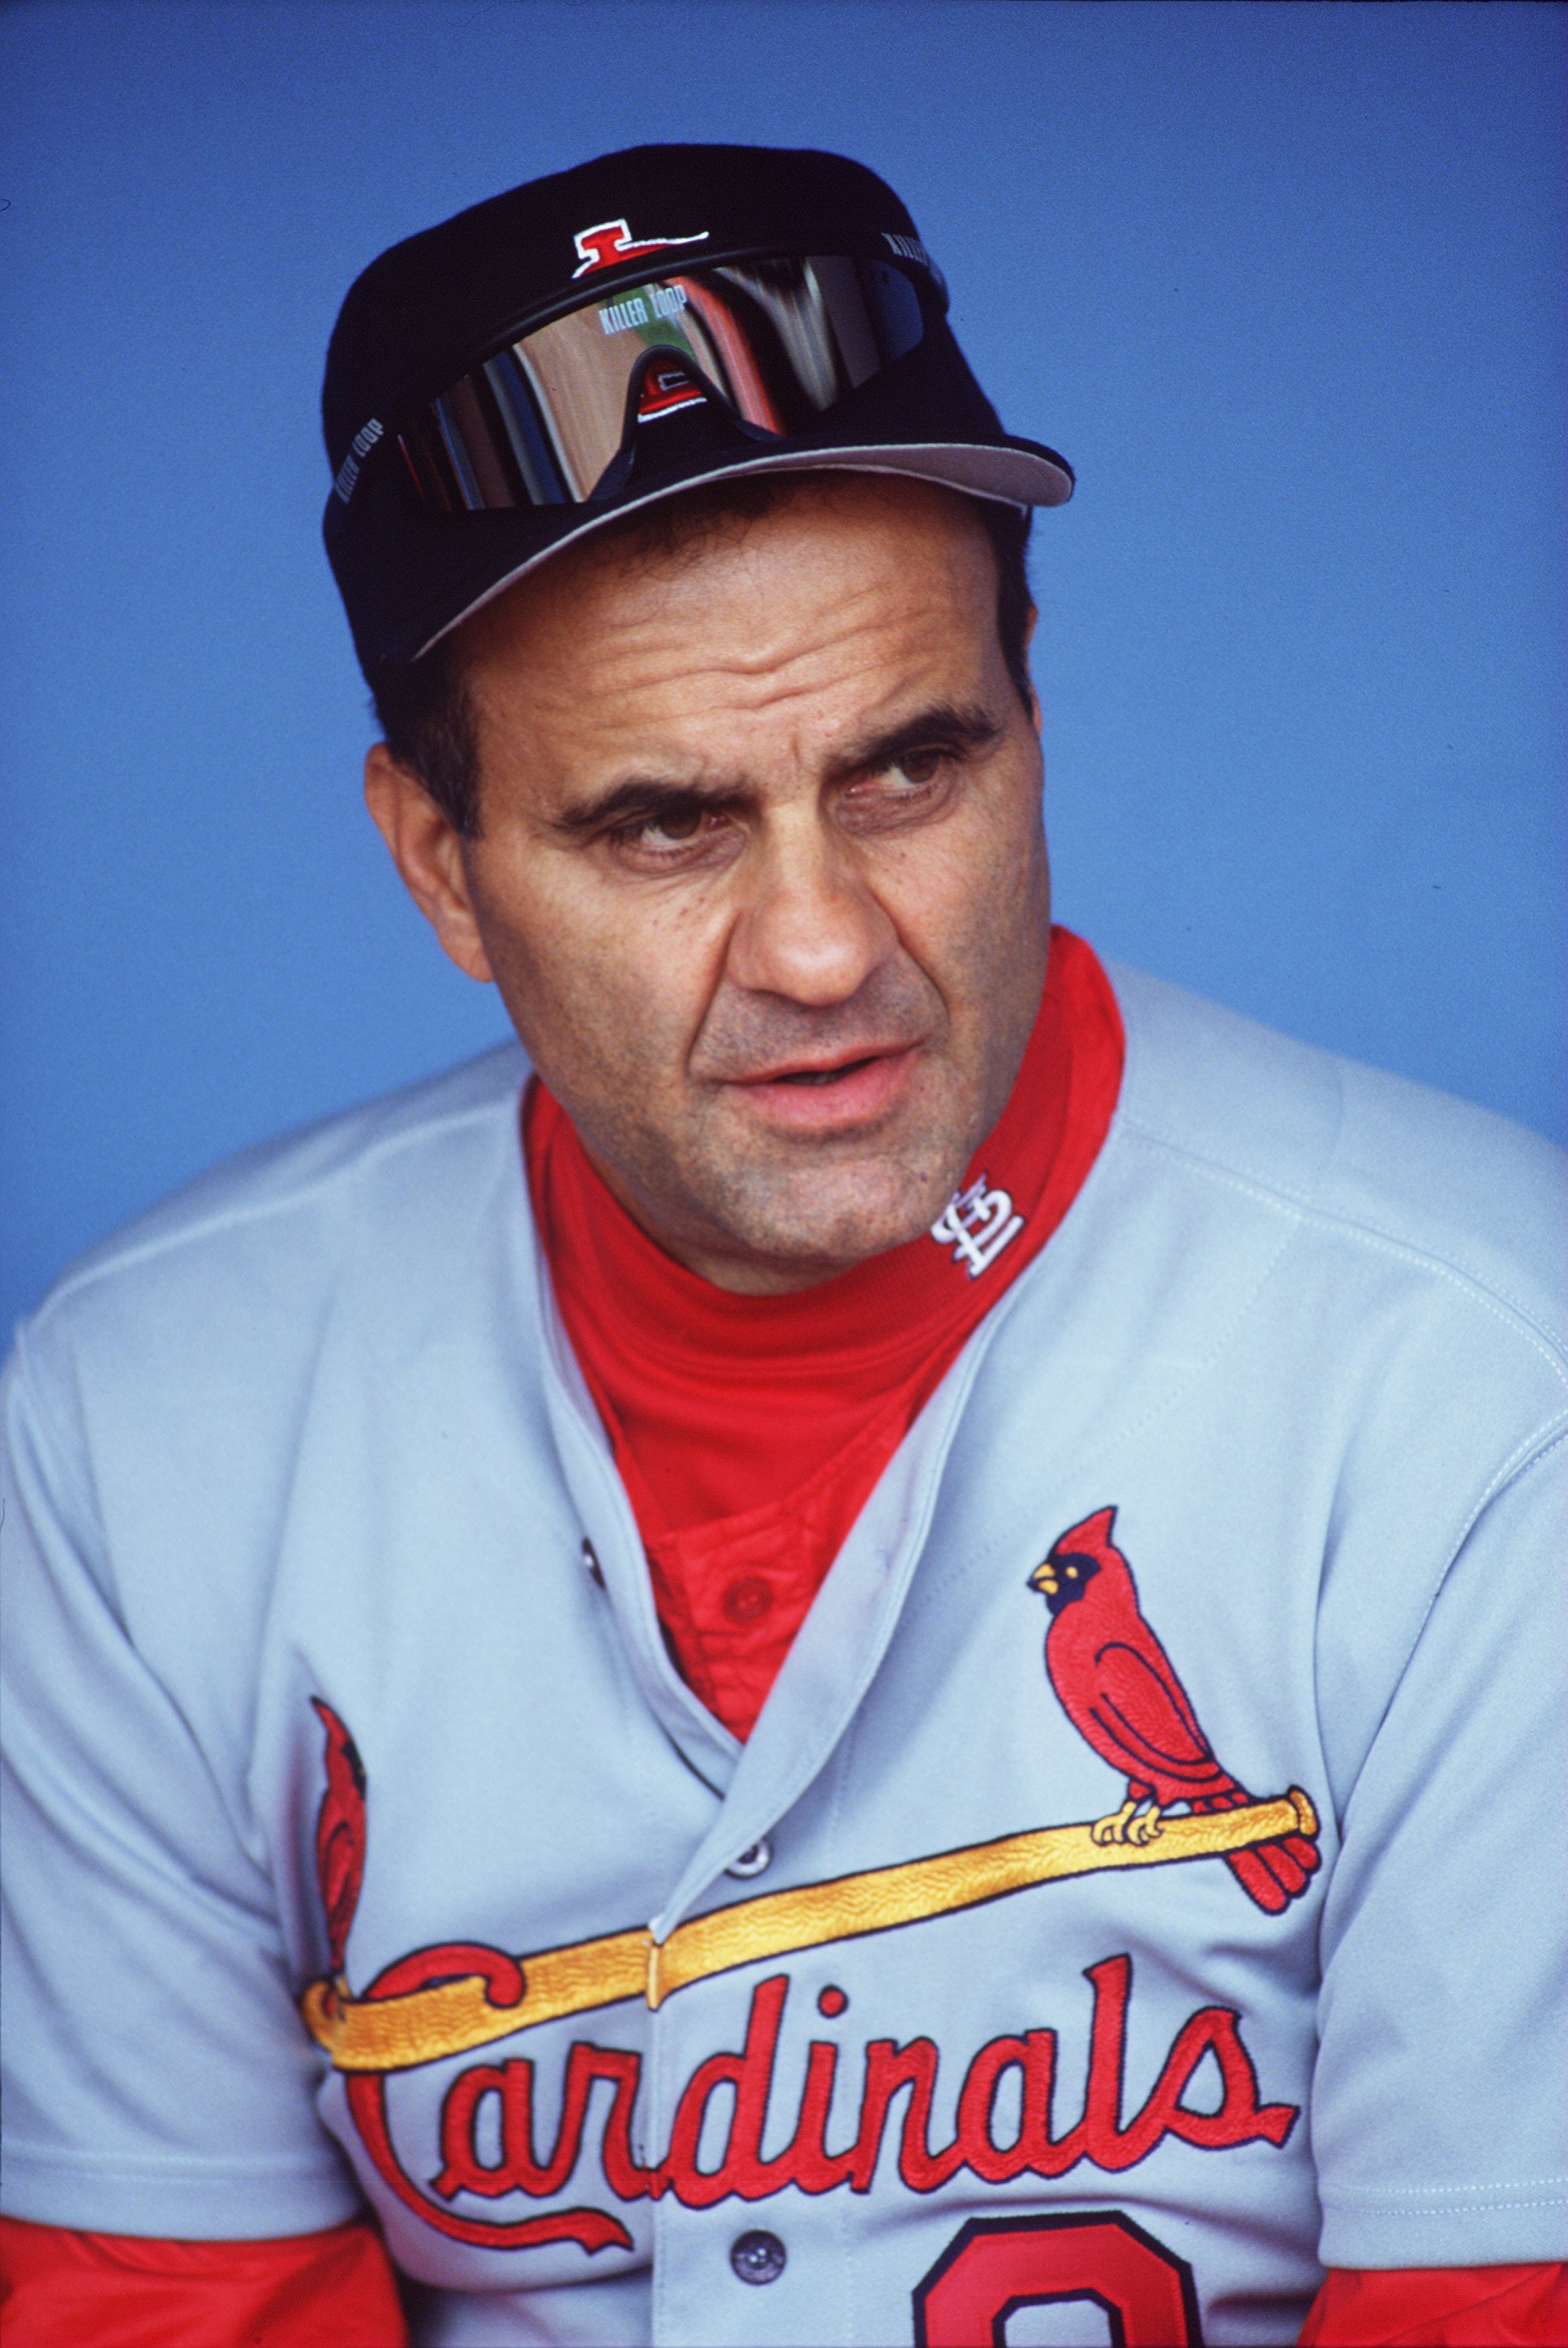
x: 1019, y: 476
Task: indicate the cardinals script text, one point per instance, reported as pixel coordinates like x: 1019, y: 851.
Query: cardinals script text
x: 492, y: 2149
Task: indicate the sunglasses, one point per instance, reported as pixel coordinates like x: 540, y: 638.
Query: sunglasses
x: 556, y: 416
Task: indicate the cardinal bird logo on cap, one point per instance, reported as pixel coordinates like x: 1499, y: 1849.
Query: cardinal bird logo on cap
x: 610, y: 242
x: 1121, y: 1691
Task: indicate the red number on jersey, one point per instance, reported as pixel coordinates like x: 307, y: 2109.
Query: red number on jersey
x: 993, y: 2266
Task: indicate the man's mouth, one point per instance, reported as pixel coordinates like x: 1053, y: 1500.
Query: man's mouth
x: 825, y: 1075
x: 834, y: 1097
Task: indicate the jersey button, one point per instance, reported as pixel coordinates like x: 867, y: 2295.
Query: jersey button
x: 757, y: 2257
x: 747, y: 1601
x: 752, y: 1860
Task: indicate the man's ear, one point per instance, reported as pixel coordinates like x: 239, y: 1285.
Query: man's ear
x: 428, y: 852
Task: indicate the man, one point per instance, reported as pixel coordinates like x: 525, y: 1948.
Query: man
x: 807, y: 1677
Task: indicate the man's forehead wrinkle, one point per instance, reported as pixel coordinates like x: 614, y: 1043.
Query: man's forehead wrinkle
x: 659, y: 719
x: 746, y: 680
x: 856, y: 625
x: 767, y: 566
x: 676, y: 752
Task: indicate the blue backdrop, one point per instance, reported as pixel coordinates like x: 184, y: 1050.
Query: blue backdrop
x: 1284, y: 283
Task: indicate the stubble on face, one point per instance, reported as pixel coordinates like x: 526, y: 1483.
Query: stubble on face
x: 781, y: 981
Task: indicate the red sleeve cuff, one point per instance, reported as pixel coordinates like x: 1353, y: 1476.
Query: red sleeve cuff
x: 1441, y: 2307
x: 60, y: 2289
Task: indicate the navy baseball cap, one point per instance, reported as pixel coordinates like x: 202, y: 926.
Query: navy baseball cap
x: 528, y: 372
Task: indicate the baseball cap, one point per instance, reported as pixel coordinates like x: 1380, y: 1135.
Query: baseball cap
x: 528, y: 372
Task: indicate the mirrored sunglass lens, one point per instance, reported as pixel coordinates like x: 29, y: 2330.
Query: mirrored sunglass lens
x: 541, y: 423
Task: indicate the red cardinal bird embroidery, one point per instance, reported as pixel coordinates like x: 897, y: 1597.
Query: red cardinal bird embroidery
x: 340, y: 1834
x: 1118, y: 1687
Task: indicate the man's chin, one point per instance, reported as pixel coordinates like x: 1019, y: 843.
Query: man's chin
x: 806, y: 1228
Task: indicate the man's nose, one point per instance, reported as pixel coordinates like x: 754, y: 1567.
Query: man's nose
x: 810, y: 928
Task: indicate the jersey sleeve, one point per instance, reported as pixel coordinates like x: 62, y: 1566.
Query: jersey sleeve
x: 157, y: 2078
x: 1437, y: 2116
x: 121, y: 2291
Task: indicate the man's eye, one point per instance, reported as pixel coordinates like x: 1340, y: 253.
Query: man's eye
x: 917, y: 767
x: 910, y: 788
x: 670, y: 831
x: 676, y: 826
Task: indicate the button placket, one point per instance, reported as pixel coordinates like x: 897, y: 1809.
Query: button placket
x: 841, y: 1644
x: 748, y: 1600
x: 758, y: 2256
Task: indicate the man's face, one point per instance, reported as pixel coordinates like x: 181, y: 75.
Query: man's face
x: 761, y: 871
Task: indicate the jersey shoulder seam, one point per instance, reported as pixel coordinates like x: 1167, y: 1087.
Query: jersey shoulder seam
x: 245, y: 1211
x: 1512, y: 1311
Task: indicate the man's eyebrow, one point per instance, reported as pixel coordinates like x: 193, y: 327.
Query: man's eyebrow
x: 944, y: 724
x: 644, y: 798
x: 641, y: 799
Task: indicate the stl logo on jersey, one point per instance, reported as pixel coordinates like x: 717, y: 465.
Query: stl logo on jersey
x: 1121, y: 1691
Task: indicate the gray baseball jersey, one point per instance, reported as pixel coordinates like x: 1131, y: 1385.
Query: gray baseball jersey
x: 1142, y: 1886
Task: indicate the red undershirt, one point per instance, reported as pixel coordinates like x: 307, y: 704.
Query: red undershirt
x: 749, y: 1431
